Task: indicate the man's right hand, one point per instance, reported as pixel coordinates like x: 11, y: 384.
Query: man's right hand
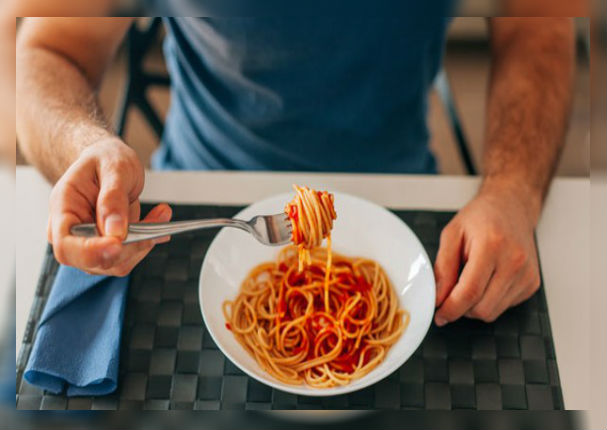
x: 102, y: 186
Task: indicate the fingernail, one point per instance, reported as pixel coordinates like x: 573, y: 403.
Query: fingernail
x: 114, y: 226
x: 440, y: 321
x: 111, y: 252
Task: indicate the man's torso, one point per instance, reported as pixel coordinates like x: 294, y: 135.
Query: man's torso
x: 316, y: 94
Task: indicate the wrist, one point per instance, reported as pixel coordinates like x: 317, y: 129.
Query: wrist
x: 112, y: 156
x: 113, y: 153
x: 111, y: 146
x: 518, y: 194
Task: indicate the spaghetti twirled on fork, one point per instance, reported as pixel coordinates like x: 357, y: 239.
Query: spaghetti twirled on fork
x: 315, y: 316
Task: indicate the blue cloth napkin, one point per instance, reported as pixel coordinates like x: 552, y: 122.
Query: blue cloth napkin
x: 77, y: 347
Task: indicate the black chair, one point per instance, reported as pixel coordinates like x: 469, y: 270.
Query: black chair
x: 139, y: 41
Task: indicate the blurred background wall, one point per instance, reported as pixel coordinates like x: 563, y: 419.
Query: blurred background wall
x: 467, y: 60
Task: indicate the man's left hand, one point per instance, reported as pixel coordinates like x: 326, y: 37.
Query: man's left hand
x: 492, y: 239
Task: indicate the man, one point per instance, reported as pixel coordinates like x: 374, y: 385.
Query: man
x: 321, y: 94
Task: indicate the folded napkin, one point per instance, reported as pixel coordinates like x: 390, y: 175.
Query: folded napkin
x: 77, y: 346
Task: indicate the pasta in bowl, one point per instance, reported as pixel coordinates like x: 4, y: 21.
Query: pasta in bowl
x: 321, y: 323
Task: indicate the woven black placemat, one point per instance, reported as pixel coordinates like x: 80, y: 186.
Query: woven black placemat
x: 169, y: 361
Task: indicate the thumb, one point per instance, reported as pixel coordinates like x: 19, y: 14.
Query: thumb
x: 112, y: 205
x: 448, y: 260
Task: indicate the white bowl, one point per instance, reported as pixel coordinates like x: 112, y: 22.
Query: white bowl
x: 362, y: 229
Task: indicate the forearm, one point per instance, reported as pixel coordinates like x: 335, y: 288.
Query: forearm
x: 57, y: 111
x: 529, y: 102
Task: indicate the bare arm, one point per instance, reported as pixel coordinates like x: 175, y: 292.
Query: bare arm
x: 61, y: 129
x: 530, y: 94
x: 9, y: 9
x: 60, y: 64
x: 527, y: 114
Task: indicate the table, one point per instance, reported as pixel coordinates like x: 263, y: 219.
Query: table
x: 563, y: 237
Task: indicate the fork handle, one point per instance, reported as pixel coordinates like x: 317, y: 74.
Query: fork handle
x: 153, y: 230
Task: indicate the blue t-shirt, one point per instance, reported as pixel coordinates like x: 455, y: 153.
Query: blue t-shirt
x: 343, y: 94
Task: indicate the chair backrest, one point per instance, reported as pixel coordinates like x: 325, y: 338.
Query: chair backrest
x: 138, y: 81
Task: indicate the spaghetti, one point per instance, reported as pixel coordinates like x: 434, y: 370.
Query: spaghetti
x: 312, y: 214
x: 322, y: 319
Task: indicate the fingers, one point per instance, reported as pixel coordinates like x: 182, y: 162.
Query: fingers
x: 127, y: 259
x: 134, y: 211
x: 496, y: 298
x: 530, y: 283
x: 102, y: 186
x: 133, y: 253
x: 78, y: 251
x: 511, y: 284
x: 494, y: 236
x: 469, y: 289
x: 102, y: 255
x: 112, y: 205
x: 70, y: 205
x: 160, y: 213
x: 448, y: 261
x: 129, y: 256
x: 490, y: 311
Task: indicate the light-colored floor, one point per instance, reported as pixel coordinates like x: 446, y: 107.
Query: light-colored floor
x: 467, y: 66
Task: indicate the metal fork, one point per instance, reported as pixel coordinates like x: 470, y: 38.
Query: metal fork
x: 267, y: 229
